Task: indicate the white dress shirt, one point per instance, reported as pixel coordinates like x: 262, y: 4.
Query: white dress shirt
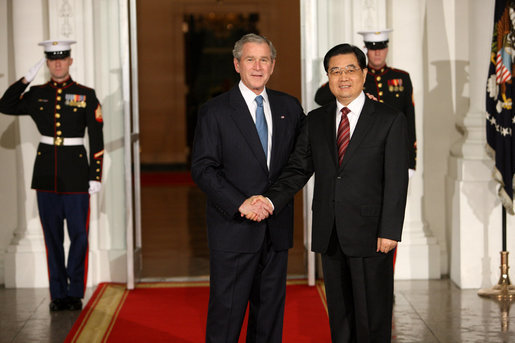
x: 355, y: 108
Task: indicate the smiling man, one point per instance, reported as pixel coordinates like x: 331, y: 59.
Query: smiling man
x: 242, y: 141
x: 63, y: 177
x: 357, y: 150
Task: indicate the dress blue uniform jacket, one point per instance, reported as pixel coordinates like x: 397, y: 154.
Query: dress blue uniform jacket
x: 61, y: 110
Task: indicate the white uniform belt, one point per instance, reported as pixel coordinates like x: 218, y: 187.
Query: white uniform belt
x: 62, y: 140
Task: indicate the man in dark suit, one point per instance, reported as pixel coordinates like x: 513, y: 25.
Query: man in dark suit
x: 63, y: 177
x: 242, y: 141
x: 387, y: 84
x: 357, y: 149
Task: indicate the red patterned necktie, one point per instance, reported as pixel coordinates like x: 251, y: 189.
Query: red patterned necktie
x: 343, y: 137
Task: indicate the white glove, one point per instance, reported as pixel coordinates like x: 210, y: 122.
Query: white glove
x: 411, y: 172
x: 94, y: 187
x: 31, y: 74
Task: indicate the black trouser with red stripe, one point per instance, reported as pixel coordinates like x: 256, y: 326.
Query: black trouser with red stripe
x: 65, y: 279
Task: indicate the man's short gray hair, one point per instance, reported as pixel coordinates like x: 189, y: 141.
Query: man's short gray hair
x: 252, y: 38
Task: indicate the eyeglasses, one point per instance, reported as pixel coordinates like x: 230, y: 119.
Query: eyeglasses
x: 348, y: 70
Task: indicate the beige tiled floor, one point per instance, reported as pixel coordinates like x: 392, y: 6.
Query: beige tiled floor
x: 174, y: 245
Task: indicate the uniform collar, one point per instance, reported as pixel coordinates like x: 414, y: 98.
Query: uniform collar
x: 378, y: 71
x: 65, y: 83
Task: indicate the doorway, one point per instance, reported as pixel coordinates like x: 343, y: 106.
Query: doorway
x: 185, y: 58
x: 208, y: 43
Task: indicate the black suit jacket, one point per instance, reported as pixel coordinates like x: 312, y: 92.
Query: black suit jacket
x: 365, y: 197
x: 228, y: 164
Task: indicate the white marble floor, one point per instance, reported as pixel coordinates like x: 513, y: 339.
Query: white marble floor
x: 433, y: 311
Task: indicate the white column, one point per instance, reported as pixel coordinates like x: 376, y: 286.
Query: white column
x: 25, y: 259
x: 475, y: 211
x: 418, y: 255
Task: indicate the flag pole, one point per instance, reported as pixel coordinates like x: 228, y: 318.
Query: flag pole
x: 504, y: 290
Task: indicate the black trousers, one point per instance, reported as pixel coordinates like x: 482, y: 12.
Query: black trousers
x: 241, y: 279
x: 65, y: 279
x: 359, y: 295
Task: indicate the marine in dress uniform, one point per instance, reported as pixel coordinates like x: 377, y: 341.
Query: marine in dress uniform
x: 63, y: 177
x: 389, y: 85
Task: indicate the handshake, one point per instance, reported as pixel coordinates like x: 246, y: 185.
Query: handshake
x: 256, y: 208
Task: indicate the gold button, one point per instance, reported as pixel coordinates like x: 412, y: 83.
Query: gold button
x: 57, y: 115
x: 39, y: 152
x: 57, y: 124
x: 380, y: 93
x: 58, y: 98
x: 381, y: 100
x: 59, y: 133
x: 55, y: 83
x: 80, y: 155
x: 41, y: 108
x: 396, y: 95
x: 58, y: 107
x: 98, y: 170
x: 378, y: 78
x: 98, y: 162
x: 59, y: 91
x: 98, y: 177
x: 64, y: 83
x: 379, y: 85
x: 74, y: 110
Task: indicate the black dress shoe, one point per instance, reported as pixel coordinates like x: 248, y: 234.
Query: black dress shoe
x: 74, y: 303
x: 58, y: 304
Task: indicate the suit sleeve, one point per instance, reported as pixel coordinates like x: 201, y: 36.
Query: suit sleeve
x: 207, y: 168
x: 395, y: 180
x: 13, y: 102
x: 409, y: 111
x: 296, y: 173
x: 95, y: 124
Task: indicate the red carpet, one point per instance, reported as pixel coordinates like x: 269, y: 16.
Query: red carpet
x: 176, y: 312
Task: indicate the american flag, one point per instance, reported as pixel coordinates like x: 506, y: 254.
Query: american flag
x: 499, y: 101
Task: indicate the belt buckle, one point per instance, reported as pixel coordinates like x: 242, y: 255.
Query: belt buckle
x: 58, y: 141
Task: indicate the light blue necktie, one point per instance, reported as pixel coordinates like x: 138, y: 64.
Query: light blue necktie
x: 261, y: 126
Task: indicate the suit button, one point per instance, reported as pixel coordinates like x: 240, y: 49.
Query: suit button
x: 338, y: 177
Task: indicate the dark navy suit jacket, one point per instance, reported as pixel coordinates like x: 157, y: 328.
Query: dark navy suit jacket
x: 229, y: 165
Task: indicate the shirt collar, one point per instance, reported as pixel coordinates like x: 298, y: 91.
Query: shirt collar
x: 249, y: 95
x: 355, y: 106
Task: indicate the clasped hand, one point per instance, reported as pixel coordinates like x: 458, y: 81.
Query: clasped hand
x: 256, y: 208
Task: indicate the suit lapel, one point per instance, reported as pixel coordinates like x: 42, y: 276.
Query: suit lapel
x: 329, y: 126
x: 278, y: 122
x: 364, y: 124
x: 246, y: 125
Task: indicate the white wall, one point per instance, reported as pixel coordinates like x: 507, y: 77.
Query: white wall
x: 8, y: 128
x: 95, y: 25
